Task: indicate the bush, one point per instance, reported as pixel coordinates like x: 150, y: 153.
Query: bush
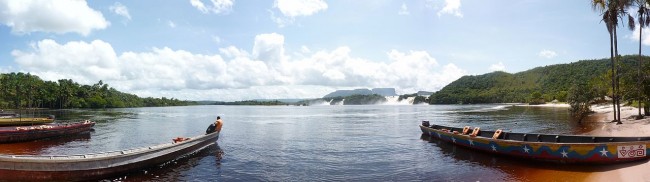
x: 580, y: 97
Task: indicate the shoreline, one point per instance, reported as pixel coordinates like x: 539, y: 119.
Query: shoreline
x: 630, y: 127
x: 556, y: 105
x: 601, y: 118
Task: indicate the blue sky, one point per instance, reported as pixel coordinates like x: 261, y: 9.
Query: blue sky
x: 236, y: 50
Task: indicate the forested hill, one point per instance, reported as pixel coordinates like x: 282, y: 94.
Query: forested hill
x: 552, y: 82
x: 20, y: 90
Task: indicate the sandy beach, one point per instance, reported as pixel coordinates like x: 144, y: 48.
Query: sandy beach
x: 636, y: 171
x: 630, y: 127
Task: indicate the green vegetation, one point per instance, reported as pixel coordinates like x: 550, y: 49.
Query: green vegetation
x: 19, y: 90
x: 552, y: 82
x: 364, y: 99
x: 536, y: 98
x: 347, y: 100
x: 580, y: 98
x: 253, y: 102
x: 417, y: 100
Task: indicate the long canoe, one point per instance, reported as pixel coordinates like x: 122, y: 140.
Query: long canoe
x: 98, y: 165
x: 28, y: 133
x: 20, y: 121
x: 544, y: 147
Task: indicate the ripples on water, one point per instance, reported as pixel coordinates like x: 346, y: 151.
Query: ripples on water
x: 317, y: 143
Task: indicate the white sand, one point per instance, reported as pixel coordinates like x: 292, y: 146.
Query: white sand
x: 630, y: 127
x: 618, y: 172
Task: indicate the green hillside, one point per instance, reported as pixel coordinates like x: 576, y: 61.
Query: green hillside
x: 553, y: 82
x: 20, y: 90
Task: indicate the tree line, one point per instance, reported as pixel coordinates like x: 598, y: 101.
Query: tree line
x: 554, y: 82
x: 20, y: 90
x: 614, y: 13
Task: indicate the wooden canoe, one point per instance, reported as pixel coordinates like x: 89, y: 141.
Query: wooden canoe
x: 20, y: 121
x: 29, y: 133
x: 97, y: 166
x: 545, y: 147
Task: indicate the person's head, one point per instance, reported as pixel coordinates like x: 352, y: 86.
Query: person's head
x: 218, y: 117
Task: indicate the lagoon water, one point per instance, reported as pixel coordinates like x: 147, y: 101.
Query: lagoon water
x: 314, y: 143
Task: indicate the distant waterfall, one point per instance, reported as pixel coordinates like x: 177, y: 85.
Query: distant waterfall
x: 394, y: 100
x: 341, y: 103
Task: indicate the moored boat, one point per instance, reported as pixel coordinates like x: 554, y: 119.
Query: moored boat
x: 98, y: 165
x: 35, y: 132
x: 16, y: 120
x: 544, y: 147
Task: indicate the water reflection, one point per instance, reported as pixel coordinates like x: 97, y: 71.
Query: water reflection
x: 39, y: 146
x: 218, y: 153
x: 177, y: 170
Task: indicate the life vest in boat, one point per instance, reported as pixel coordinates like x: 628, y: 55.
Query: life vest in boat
x: 211, y: 129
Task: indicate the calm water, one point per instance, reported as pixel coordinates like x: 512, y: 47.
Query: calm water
x: 316, y: 143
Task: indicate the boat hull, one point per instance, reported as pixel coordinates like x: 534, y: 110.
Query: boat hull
x: 24, y: 121
x: 595, y: 152
x: 29, y: 133
x: 97, y: 166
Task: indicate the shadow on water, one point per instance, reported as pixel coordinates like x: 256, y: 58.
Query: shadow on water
x: 177, y: 170
x: 516, y: 166
x: 36, y: 147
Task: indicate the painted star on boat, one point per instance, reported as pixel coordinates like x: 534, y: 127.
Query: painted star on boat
x: 453, y: 139
x: 604, y: 152
x: 439, y: 135
x: 471, y: 142
x: 494, y: 148
x: 526, y: 149
x: 564, y: 154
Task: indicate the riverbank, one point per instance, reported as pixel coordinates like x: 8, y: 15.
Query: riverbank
x: 630, y: 127
x: 559, y: 105
x: 601, y: 125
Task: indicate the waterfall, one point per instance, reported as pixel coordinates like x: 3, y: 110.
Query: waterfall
x: 394, y: 100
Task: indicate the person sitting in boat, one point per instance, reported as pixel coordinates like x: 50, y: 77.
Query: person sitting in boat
x: 216, y: 126
x: 219, y: 123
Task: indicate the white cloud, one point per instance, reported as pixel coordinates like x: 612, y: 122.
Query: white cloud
x: 218, y: 6
x: 548, y: 54
x: 290, y: 9
x: 646, y: 35
x: 234, y: 73
x: 269, y: 47
x: 171, y: 24
x: 120, y: 9
x: 55, y: 61
x: 61, y: 16
x: 404, y: 10
x: 216, y: 39
x: 233, y: 52
x: 498, y: 67
x: 294, y: 8
x: 452, y: 7
x: 305, y: 49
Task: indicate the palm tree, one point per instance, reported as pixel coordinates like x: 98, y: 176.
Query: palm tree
x: 643, y: 18
x: 611, y: 11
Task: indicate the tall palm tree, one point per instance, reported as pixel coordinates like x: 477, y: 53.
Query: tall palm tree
x: 643, y: 18
x: 611, y: 11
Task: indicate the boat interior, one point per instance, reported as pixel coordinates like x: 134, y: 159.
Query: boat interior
x: 535, y: 137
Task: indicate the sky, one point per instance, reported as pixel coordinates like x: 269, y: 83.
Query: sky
x: 231, y: 50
